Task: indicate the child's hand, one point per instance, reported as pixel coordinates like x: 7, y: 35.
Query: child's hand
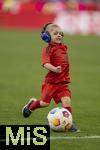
x: 58, y: 69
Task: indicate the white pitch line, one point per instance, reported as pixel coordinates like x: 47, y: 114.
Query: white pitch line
x: 61, y: 138
x: 75, y: 137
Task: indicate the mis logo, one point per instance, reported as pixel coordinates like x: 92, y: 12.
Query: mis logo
x: 25, y: 136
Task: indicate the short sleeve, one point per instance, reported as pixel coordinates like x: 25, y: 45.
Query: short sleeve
x: 46, y: 55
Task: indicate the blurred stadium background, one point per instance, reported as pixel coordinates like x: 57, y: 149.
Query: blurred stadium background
x: 75, y: 16
x: 21, y: 73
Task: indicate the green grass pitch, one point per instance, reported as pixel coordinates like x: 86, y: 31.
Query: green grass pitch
x: 21, y: 75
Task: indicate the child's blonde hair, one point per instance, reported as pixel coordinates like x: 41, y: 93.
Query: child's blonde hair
x: 50, y: 27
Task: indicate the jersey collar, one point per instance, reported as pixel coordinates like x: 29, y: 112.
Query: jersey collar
x: 55, y: 44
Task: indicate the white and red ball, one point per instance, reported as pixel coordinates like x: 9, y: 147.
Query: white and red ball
x: 59, y: 119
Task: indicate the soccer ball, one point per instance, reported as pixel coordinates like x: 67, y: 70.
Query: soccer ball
x: 59, y: 119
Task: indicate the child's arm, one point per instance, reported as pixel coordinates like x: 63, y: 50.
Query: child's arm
x: 53, y: 68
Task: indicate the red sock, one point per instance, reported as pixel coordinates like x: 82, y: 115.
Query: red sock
x: 35, y: 105
x: 69, y: 109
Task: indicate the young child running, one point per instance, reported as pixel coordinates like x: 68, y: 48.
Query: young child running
x: 55, y: 86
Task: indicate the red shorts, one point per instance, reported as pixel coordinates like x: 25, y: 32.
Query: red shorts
x: 55, y: 91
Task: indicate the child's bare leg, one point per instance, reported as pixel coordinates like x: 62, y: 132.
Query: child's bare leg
x: 66, y: 102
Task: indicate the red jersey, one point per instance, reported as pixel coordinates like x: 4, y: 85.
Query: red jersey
x: 57, y: 55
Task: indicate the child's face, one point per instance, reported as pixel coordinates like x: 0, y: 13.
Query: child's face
x: 56, y: 35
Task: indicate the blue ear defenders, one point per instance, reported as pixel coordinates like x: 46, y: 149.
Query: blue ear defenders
x: 45, y: 35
